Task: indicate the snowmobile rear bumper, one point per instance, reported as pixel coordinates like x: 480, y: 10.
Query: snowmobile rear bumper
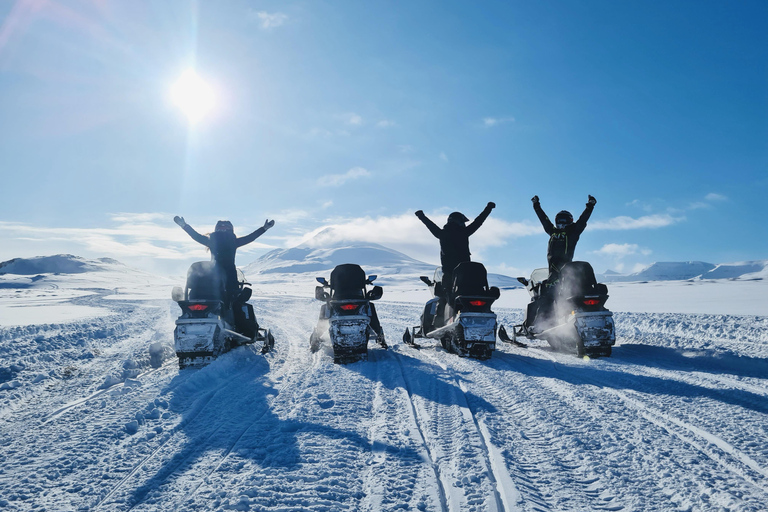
x: 349, y: 337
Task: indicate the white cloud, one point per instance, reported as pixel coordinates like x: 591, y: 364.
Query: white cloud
x: 489, y: 122
x: 385, y: 123
x: 352, y: 119
x: 268, y: 20
x: 715, y: 197
x: 444, y: 157
x: 130, y: 237
x: 645, y: 222
x: 406, y: 233
x: 618, y: 250
x: 337, y: 180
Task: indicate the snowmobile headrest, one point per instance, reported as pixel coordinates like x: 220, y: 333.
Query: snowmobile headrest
x: 577, y: 278
x: 348, y: 281
x: 204, y: 281
x: 470, y: 278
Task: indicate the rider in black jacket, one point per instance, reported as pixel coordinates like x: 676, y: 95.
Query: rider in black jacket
x: 223, y: 244
x: 454, y: 239
x: 563, y: 235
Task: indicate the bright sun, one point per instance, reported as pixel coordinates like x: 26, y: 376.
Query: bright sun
x: 193, y: 96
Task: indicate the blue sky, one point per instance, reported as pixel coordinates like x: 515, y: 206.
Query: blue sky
x: 355, y: 114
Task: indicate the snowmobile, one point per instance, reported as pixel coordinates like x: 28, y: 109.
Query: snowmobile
x: 461, y: 318
x: 209, y: 324
x: 347, y: 318
x: 569, y: 313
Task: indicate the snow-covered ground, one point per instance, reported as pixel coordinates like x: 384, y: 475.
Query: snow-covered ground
x: 675, y: 419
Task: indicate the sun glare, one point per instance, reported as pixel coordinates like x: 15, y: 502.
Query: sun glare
x: 193, y: 96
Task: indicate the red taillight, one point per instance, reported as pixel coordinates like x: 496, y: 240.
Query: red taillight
x: 348, y: 307
x: 591, y: 302
x: 477, y: 303
x: 198, y: 307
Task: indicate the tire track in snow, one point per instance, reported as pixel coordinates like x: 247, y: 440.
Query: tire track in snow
x: 193, y: 413
x: 539, y: 443
x: 445, y: 445
x: 714, y: 448
x: 708, y: 443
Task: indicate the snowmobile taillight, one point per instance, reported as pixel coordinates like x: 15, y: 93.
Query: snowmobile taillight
x: 198, y: 307
x: 477, y: 303
x: 348, y: 307
x: 591, y: 302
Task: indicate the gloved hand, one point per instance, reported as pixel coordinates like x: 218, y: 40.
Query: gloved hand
x: 268, y: 224
x: 535, y: 199
x: 180, y: 221
x: 491, y: 205
x: 592, y: 201
x: 420, y: 213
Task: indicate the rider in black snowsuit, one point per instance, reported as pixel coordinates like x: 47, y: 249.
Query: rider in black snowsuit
x: 223, y: 244
x: 563, y: 235
x: 454, y: 239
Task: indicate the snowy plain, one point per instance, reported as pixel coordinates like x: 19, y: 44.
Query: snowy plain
x: 675, y: 419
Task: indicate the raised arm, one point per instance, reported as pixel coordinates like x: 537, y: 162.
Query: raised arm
x: 431, y: 226
x: 197, y: 237
x: 475, y: 224
x: 581, y: 224
x: 256, y: 234
x: 545, y: 222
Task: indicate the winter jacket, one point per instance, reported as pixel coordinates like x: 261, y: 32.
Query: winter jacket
x: 223, y: 246
x: 454, y: 239
x: 562, y: 242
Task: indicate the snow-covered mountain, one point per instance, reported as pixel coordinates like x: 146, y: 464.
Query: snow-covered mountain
x: 318, y: 256
x: 58, y: 264
x: 681, y: 271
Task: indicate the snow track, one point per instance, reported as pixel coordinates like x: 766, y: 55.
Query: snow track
x: 676, y: 419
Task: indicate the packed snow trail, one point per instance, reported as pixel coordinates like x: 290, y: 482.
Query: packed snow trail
x: 675, y: 420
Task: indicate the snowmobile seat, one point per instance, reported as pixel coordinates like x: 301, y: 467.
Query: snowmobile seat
x: 348, y: 282
x: 578, y: 278
x: 204, y: 282
x: 471, y: 279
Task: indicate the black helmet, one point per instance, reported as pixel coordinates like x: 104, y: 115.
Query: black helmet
x: 225, y: 225
x: 457, y: 218
x: 563, y: 218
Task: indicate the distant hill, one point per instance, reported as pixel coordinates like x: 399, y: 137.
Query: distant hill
x: 57, y: 264
x: 681, y: 271
x: 320, y: 257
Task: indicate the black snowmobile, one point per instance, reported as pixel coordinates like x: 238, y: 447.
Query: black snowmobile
x: 461, y: 318
x: 569, y: 313
x: 347, y: 318
x: 210, y: 325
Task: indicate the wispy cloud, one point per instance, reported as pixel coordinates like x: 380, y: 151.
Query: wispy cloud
x: 407, y: 234
x: 489, y: 122
x: 443, y: 157
x: 352, y: 119
x: 337, y: 180
x: 645, y: 222
x: 129, y: 236
x: 385, y: 123
x: 622, y: 250
x: 268, y: 21
x: 715, y: 197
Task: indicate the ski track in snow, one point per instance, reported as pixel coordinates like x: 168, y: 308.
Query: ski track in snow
x: 676, y: 419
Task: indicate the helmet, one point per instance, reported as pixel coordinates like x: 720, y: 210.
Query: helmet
x: 457, y: 218
x: 224, y: 225
x: 563, y: 218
